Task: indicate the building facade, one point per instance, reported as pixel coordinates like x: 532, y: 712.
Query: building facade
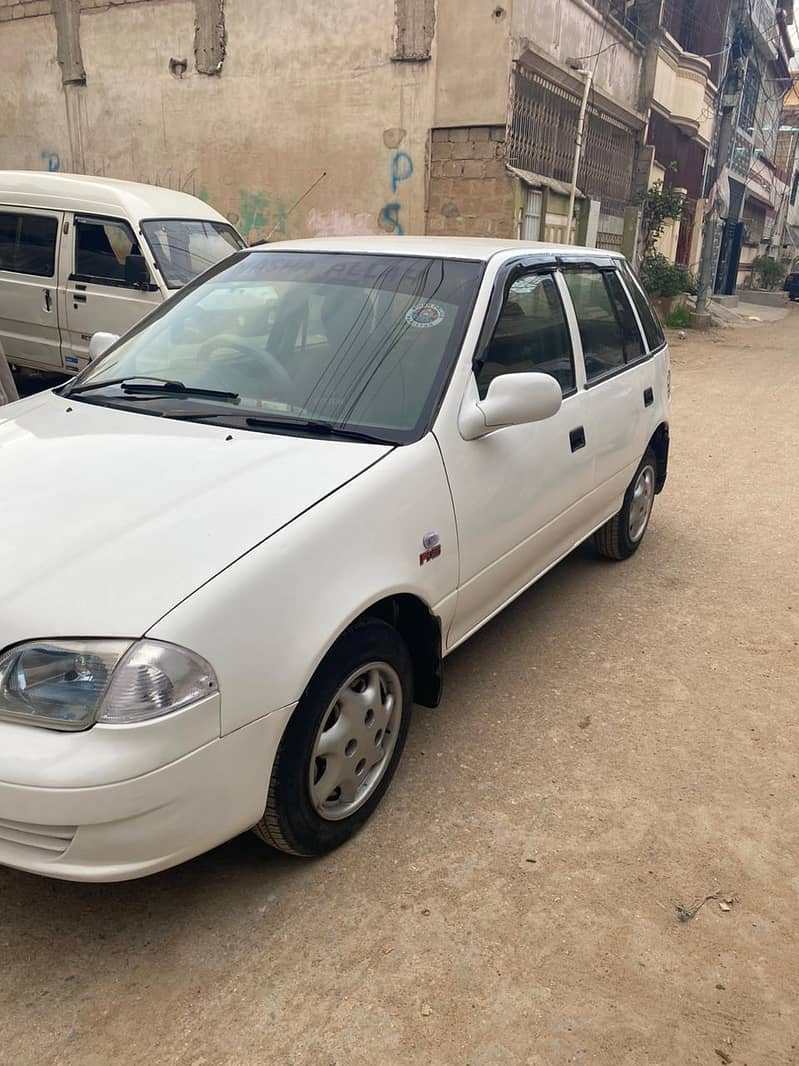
x: 413, y: 116
x: 455, y: 116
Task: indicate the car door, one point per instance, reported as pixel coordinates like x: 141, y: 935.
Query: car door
x: 29, y: 316
x: 519, y: 492
x: 619, y: 376
x: 97, y: 298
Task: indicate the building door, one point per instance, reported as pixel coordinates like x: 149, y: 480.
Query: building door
x: 531, y: 222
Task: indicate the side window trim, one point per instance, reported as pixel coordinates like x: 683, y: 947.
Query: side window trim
x: 578, y: 359
x: 602, y: 268
x: 506, y: 276
x: 518, y: 271
x: 641, y: 331
x: 630, y: 280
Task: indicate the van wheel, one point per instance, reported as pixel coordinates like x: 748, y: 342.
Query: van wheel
x: 621, y: 535
x: 342, y: 744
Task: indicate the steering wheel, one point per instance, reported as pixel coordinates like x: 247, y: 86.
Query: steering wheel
x: 273, y: 366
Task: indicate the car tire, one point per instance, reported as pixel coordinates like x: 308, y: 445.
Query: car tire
x: 621, y: 535
x: 357, y: 706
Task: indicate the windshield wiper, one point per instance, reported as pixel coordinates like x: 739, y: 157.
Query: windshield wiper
x: 136, y: 383
x: 311, y: 426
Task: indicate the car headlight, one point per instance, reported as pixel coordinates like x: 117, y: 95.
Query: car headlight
x: 71, y: 684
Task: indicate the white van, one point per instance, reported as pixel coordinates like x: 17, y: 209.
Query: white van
x: 82, y: 255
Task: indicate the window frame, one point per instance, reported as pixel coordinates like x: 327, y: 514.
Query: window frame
x: 515, y: 276
x: 605, y: 267
x: 178, y: 218
x: 25, y: 212
x: 93, y: 279
x: 629, y: 278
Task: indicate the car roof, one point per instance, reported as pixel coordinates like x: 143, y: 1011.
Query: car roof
x: 80, y: 192
x: 474, y: 248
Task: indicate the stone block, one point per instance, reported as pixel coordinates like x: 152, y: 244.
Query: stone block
x: 459, y: 133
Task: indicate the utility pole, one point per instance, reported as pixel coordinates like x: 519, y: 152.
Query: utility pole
x: 711, y: 232
x: 726, y: 114
x: 578, y: 150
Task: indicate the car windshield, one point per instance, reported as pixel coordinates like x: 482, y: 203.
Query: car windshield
x: 359, y: 342
x: 185, y: 247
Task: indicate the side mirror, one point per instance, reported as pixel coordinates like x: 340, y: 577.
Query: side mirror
x: 512, y: 400
x: 137, y: 274
x: 100, y: 343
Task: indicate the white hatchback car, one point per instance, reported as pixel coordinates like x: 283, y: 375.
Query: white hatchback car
x: 237, y: 548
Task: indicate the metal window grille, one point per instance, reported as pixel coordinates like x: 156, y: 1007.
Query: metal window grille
x: 543, y: 132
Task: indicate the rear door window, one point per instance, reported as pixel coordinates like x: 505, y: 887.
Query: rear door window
x: 101, y: 248
x: 649, y: 319
x: 608, y: 330
x: 531, y: 335
x: 28, y: 243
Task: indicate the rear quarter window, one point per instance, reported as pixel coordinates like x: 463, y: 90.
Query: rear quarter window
x: 653, y: 331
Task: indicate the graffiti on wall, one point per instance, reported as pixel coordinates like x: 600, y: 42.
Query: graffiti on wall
x: 254, y: 213
x: 400, y: 169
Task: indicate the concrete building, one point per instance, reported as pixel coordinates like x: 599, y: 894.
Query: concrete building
x: 785, y: 245
x: 754, y: 84
x: 455, y: 116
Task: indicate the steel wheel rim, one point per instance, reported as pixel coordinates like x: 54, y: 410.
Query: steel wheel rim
x: 641, y: 503
x: 355, y: 741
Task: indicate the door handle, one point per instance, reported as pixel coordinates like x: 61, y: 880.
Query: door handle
x: 47, y: 302
x: 577, y: 438
x: 76, y: 296
x: 649, y: 397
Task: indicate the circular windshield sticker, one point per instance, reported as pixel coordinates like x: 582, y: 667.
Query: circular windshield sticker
x: 425, y: 315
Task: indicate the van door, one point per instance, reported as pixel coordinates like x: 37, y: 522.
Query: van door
x: 618, y: 373
x: 520, y: 493
x: 96, y: 297
x: 29, y: 325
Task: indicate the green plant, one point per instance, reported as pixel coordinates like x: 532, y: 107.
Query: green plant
x: 663, y: 278
x: 770, y: 272
x: 660, y: 206
x: 680, y: 318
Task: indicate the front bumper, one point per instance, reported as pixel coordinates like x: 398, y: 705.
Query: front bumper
x: 63, y: 822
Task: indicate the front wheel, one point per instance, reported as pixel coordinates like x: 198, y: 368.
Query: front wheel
x: 622, y: 534
x: 342, y: 744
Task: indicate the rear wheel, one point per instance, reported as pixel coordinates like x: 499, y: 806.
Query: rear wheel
x: 342, y: 744
x: 621, y: 535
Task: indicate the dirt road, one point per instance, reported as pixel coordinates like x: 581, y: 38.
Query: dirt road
x: 623, y: 740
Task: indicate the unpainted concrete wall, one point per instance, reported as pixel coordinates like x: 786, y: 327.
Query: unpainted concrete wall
x: 305, y: 87
x: 474, y: 52
x: 572, y: 29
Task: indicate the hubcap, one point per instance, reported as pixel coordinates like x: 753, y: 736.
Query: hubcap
x: 641, y: 503
x: 355, y: 740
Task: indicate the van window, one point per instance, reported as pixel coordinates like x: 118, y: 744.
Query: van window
x: 101, y: 247
x: 608, y: 329
x: 531, y: 335
x: 185, y: 247
x: 649, y: 320
x: 27, y: 243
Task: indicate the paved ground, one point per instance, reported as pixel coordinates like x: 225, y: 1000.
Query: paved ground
x: 623, y: 740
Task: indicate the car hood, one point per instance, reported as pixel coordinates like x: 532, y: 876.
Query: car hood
x: 110, y: 518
